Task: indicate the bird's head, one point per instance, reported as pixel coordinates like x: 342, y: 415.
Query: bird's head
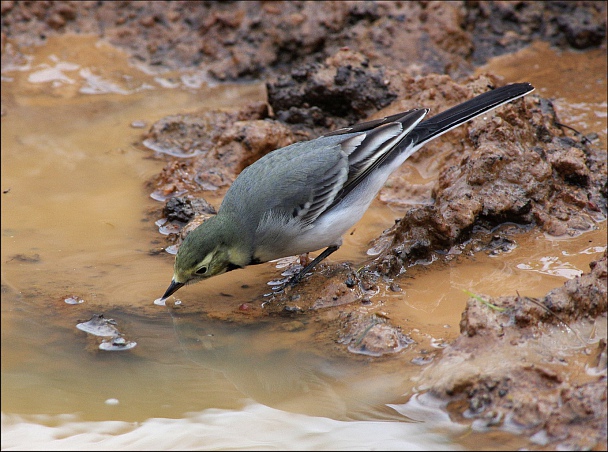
x: 204, y: 253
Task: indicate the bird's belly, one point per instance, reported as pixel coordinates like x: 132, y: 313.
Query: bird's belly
x: 326, y: 231
x: 287, y: 239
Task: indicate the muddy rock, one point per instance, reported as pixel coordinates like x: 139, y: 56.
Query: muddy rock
x: 484, y: 374
x: 338, y: 93
x: 583, y: 296
x: 370, y: 334
x: 337, y: 303
x: 327, y: 287
x: 208, y: 150
x: 181, y: 215
x: 503, y: 27
x: 185, y: 208
x: 188, y: 135
x: 335, y: 293
x: 534, y: 401
x: 520, y: 168
x: 244, y: 40
x: 175, y: 179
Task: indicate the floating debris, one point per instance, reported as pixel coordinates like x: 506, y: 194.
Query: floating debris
x: 166, y: 228
x: 116, y: 344
x: 138, y: 124
x: 160, y: 302
x: 98, y: 325
x: 172, y: 249
x: 74, y: 300
x: 422, y: 361
x: 169, y: 148
x: 277, y: 282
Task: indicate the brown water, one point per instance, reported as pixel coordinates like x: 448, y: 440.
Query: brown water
x: 73, y: 200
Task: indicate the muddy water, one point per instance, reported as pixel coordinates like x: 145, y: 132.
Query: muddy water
x: 74, y: 224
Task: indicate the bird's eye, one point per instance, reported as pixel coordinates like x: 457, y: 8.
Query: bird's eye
x: 201, y: 271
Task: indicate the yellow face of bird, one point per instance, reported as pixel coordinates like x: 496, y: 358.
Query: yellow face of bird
x: 192, y: 265
x: 205, y: 253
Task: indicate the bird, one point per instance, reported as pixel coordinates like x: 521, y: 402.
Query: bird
x: 306, y: 196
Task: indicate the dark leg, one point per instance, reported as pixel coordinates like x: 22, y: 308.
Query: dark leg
x: 293, y: 281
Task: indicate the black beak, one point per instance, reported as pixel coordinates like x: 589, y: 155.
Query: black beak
x: 173, y: 287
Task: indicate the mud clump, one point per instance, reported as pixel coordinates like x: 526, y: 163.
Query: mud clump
x: 371, y: 334
x: 502, y: 27
x: 339, y: 92
x: 246, y: 40
x: 519, y: 167
x: 225, y: 143
x: 184, y: 209
x: 485, y: 374
x: 582, y: 297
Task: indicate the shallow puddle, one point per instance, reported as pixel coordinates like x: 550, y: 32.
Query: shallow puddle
x: 77, y: 241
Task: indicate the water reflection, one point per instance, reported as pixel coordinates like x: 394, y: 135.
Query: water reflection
x: 278, y: 364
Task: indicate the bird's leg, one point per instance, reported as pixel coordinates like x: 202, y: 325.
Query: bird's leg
x: 293, y: 281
